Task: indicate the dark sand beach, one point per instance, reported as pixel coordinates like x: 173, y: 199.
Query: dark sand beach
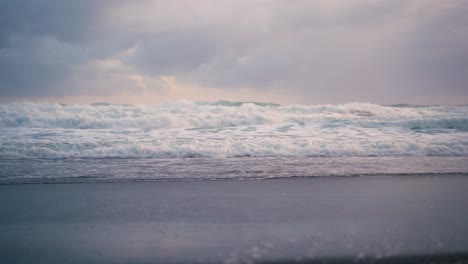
x: 338, y: 219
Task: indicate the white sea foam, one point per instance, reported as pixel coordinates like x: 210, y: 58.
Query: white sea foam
x: 230, y: 129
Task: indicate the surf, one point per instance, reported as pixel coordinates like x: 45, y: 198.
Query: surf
x: 186, y: 129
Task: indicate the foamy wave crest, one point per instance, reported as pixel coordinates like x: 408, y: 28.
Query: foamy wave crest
x: 230, y: 129
x: 181, y: 114
x: 184, y: 114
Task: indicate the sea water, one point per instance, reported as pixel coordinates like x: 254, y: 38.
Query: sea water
x: 184, y: 140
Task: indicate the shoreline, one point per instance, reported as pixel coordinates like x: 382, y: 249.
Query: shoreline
x: 87, y: 180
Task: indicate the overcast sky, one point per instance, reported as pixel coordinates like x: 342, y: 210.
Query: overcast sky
x: 290, y: 51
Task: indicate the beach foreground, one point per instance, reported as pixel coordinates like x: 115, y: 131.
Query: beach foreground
x: 335, y: 219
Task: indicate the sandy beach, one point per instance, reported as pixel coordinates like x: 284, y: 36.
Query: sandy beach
x: 234, y: 221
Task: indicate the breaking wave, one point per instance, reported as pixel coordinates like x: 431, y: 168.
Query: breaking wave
x: 185, y: 129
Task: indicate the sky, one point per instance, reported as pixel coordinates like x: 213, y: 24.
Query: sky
x: 291, y: 52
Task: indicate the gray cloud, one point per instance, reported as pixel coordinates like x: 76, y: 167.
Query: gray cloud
x: 323, y: 52
x: 68, y: 21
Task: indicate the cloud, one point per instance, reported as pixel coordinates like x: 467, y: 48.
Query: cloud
x: 68, y: 21
x: 316, y: 51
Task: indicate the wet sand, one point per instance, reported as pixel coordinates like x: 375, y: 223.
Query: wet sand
x: 394, y: 219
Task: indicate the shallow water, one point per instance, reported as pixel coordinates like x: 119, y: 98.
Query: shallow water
x: 17, y: 171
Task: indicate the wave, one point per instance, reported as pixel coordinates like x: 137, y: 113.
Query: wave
x: 185, y: 114
x: 187, y: 129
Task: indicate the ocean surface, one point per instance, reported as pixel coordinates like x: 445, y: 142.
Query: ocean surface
x: 184, y: 140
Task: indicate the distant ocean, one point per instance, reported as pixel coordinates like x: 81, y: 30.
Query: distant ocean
x: 183, y: 140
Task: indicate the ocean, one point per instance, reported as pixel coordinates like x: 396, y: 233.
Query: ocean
x: 233, y: 182
x: 224, y: 140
